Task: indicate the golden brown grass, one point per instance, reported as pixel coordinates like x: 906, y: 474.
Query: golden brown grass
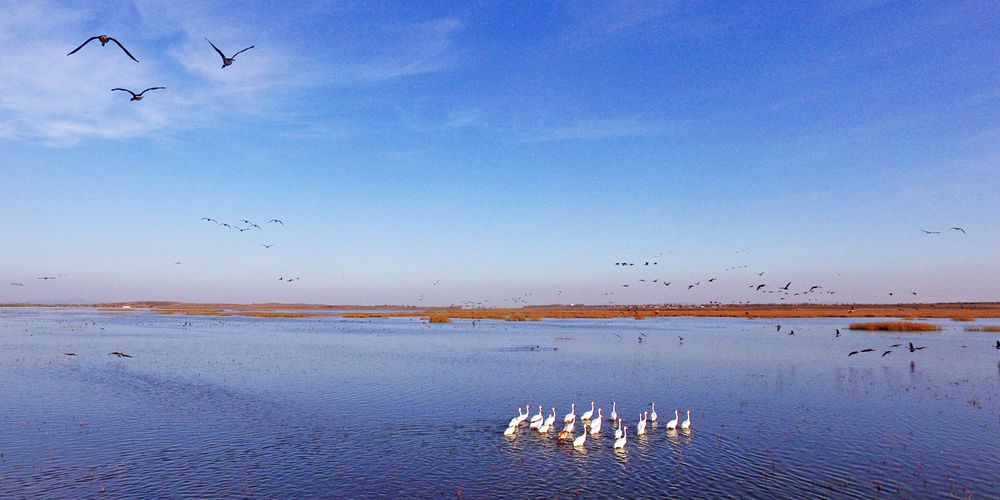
x: 439, y: 318
x: 895, y: 326
x: 534, y: 313
x: 987, y: 328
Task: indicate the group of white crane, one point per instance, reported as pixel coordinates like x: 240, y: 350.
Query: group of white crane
x: 591, y: 423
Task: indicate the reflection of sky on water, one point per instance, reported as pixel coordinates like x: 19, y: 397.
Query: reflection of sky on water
x: 318, y: 406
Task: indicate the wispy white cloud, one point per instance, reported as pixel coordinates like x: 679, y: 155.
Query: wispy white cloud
x: 592, y: 23
x: 603, y: 128
x: 465, y: 117
x: 48, y: 97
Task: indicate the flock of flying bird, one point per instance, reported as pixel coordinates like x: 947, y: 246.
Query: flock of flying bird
x: 104, y: 39
x: 592, y: 424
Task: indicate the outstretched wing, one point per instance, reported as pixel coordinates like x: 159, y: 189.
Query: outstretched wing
x: 959, y: 229
x: 242, y: 51
x: 151, y: 88
x: 129, y: 54
x: 125, y: 90
x: 82, y: 44
x: 223, y: 56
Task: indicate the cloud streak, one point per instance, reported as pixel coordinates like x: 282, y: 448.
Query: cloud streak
x: 602, y: 128
x: 49, y: 98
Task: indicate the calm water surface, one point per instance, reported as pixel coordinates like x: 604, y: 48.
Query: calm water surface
x: 335, y: 407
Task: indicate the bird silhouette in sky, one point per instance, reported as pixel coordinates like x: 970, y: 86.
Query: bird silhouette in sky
x: 227, y: 61
x: 104, y: 39
x: 137, y: 97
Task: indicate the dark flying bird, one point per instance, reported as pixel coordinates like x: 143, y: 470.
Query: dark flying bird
x: 958, y: 229
x: 930, y: 232
x: 47, y: 278
x: 226, y: 61
x: 69, y: 353
x: 895, y: 345
x: 16, y: 284
x: 852, y: 353
x: 210, y: 220
x: 838, y: 333
x: 760, y: 286
x: 998, y: 344
x: 104, y: 39
x: 119, y: 354
x: 137, y: 97
x: 778, y: 329
x: 786, y: 286
x: 916, y: 348
x: 711, y: 279
x: 814, y: 287
x: 884, y: 353
x: 276, y: 220
x: 867, y: 350
x: 267, y: 246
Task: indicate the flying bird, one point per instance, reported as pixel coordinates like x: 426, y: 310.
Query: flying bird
x: 930, y: 232
x: 119, y: 354
x: 912, y: 349
x: 104, y: 39
x: 226, y: 61
x: 786, y: 286
x: 760, y: 286
x: 958, y: 229
x: 16, y: 284
x: 852, y: 353
x: 276, y: 220
x: 210, y: 220
x: 884, y: 353
x: 137, y: 97
x: 267, y: 246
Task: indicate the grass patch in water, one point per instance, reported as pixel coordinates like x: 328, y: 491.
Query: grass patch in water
x: 895, y: 326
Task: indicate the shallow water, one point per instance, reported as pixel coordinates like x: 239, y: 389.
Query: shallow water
x: 384, y: 407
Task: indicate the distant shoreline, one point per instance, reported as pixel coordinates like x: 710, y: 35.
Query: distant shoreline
x: 965, y: 311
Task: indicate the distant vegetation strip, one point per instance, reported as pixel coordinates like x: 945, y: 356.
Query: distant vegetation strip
x: 956, y: 311
x: 895, y: 326
x: 987, y: 328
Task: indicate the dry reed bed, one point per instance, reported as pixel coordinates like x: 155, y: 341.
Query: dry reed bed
x: 895, y: 326
x: 957, y: 311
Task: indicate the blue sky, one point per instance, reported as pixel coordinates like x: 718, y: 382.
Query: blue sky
x: 501, y: 150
